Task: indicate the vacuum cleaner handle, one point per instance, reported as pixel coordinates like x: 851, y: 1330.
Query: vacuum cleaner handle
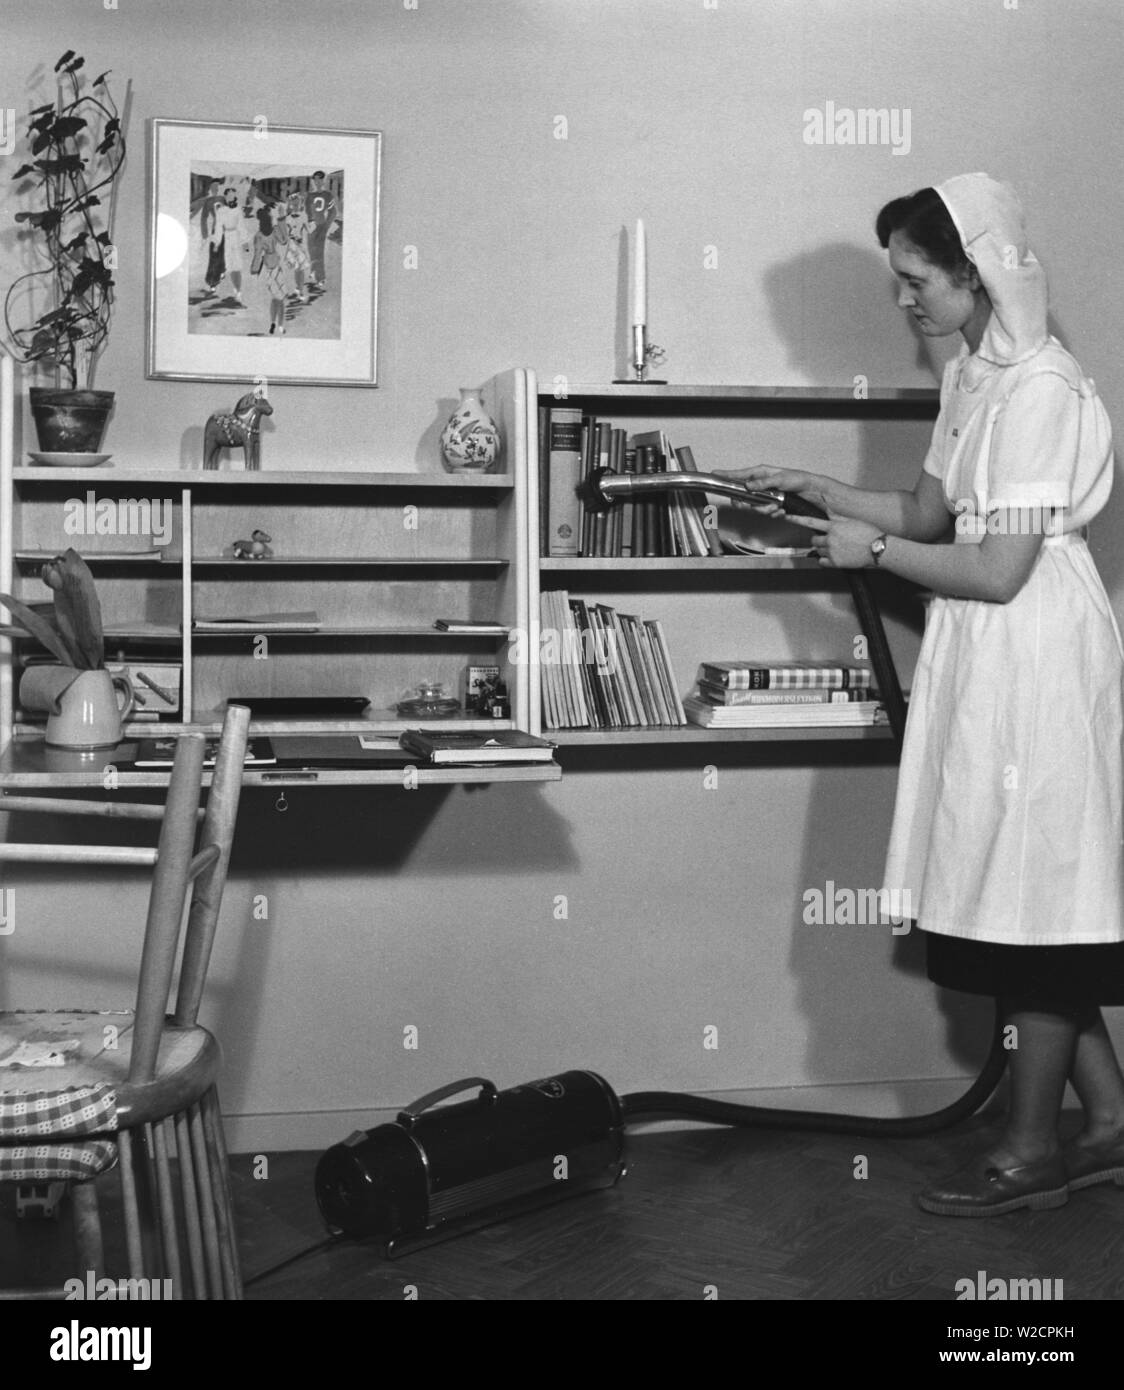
x: 603, y: 487
x: 414, y: 1109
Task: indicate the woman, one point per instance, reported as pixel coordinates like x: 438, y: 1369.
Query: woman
x: 226, y: 247
x: 296, y: 250
x: 1007, y: 828
x: 270, y: 241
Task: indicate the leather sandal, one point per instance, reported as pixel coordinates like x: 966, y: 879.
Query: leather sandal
x: 1088, y: 1164
x: 984, y: 1189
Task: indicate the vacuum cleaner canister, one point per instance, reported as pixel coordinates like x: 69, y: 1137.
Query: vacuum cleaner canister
x: 436, y: 1173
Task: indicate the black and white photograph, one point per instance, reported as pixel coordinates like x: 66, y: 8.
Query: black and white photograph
x: 250, y: 272
x: 561, y: 673
x: 261, y: 240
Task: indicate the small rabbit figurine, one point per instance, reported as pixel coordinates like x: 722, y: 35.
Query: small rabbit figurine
x: 256, y: 548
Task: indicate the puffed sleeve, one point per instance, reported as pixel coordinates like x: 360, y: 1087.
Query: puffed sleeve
x: 1035, y: 444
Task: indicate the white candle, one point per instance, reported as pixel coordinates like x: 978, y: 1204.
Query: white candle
x: 639, y: 277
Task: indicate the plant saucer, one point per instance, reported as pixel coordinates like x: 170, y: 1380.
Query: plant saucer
x: 56, y: 460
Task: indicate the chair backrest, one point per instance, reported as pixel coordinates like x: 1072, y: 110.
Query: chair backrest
x: 177, y: 867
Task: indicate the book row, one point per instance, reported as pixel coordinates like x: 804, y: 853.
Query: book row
x: 604, y: 669
x: 572, y: 445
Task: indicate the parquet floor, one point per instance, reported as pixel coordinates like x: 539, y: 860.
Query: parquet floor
x: 753, y: 1214
x: 742, y: 1214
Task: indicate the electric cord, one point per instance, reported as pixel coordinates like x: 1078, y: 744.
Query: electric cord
x: 721, y: 1112
x: 292, y: 1259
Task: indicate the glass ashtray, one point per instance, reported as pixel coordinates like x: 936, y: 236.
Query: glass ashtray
x: 430, y: 702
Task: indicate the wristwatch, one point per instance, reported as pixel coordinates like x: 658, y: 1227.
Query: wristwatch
x: 877, y: 546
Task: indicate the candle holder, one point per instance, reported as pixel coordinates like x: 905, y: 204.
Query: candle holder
x: 644, y: 355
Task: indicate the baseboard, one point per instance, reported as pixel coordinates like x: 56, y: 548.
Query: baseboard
x: 270, y: 1133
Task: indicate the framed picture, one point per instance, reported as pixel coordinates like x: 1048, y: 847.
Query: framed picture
x: 263, y: 253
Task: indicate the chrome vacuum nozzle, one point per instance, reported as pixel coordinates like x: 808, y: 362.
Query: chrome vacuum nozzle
x: 603, y: 487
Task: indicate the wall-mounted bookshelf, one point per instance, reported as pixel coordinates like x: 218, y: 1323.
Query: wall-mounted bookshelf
x: 675, y: 587
x: 378, y: 556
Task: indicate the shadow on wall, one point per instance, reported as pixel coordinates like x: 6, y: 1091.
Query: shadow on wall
x: 836, y: 309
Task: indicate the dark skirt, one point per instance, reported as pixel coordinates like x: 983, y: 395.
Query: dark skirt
x: 1045, y: 977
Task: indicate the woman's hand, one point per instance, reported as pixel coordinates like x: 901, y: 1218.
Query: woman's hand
x: 811, y: 486
x: 840, y: 543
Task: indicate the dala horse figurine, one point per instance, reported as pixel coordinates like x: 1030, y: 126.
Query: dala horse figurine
x: 241, y: 426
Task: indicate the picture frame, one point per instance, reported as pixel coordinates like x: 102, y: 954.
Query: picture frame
x: 263, y: 253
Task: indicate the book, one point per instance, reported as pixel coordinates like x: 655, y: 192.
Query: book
x: 783, y: 716
x: 783, y: 675
x: 687, y: 463
x: 161, y: 752
x: 616, y: 516
x: 720, y: 695
x: 302, y: 706
x: 504, y: 746
x: 588, y: 465
x: 564, y: 474
x: 602, y: 458
x: 688, y: 512
x: 666, y: 670
x: 471, y: 625
x: 544, y: 480
x: 628, y: 506
x: 260, y: 622
x: 646, y: 504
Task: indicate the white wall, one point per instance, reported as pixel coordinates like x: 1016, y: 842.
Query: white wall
x: 684, y: 905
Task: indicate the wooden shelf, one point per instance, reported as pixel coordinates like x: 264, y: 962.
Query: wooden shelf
x: 561, y: 565
x: 210, y: 721
x: 26, y: 763
x: 899, y: 402
x: 40, y: 557
x: 248, y: 630
x: 200, y: 478
x: 610, y: 738
x: 380, y: 551
x: 257, y: 569
x: 715, y: 395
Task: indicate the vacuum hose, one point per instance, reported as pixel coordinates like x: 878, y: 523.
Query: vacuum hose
x: 598, y: 492
x: 653, y: 1104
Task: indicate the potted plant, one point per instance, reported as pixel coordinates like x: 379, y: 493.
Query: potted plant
x: 77, y: 149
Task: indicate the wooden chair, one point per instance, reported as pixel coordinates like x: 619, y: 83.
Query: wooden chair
x: 137, y: 1089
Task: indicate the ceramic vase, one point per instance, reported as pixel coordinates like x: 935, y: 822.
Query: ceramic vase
x: 470, y: 442
x: 85, y: 709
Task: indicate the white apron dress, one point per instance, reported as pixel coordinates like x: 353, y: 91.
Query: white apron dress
x: 1007, y: 826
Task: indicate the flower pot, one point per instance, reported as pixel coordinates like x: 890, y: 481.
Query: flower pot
x: 470, y: 442
x: 70, y: 422
x: 85, y: 709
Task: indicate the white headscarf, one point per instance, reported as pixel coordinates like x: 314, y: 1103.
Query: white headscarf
x: 989, y: 218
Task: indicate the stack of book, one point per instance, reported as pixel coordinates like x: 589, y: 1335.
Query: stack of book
x: 604, y: 670
x: 571, y: 446
x: 763, y: 694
